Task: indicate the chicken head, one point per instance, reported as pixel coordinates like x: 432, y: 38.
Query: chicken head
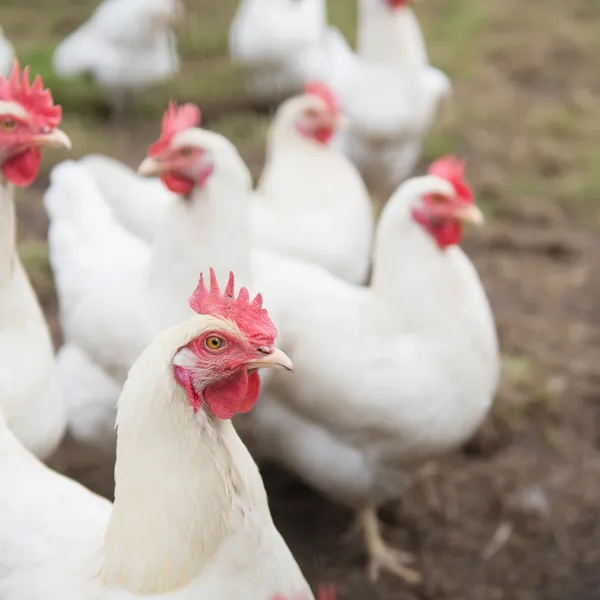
x: 442, y: 215
x: 318, y: 113
x: 220, y: 368
x: 28, y: 121
x: 181, y: 164
x: 395, y: 4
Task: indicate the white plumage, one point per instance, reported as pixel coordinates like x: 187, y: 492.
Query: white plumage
x: 127, y: 45
x: 126, y: 253
x: 388, y: 91
x: 115, y: 296
x: 29, y: 398
x: 7, y: 55
x: 310, y: 201
x: 279, y: 43
x: 30, y: 402
x: 190, y: 518
x: 386, y: 376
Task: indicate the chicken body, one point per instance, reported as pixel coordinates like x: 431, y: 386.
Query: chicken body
x: 127, y: 45
x: 408, y: 371
x: 280, y: 44
x: 190, y: 518
x: 137, y: 202
x: 389, y: 93
x: 310, y: 202
x: 103, y: 287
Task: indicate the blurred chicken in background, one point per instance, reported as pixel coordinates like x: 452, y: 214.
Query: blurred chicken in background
x: 7, y: 55
x: 310, y: 202
x: 126, y: 45
x: 388, y: 91
x: 276, y: 41
x: 387, y: 376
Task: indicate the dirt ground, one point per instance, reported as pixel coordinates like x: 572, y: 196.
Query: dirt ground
x: 515, y: 515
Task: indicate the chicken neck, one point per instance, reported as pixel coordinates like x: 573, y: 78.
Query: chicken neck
x: 7, y: 231
x: 181, y: 484
x: 393, y: 39
x: 416, y: 287
x: 207, y: 229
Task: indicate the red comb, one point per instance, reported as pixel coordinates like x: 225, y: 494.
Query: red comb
x: 322, y: 91
x: 324, y: 592
x: 452, y: 170
x: 175, y: 120
x: 249, y: 316
x: 32, y: 97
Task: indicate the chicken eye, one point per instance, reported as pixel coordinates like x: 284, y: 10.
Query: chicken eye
x: 185, y: 152
x: 438, y: 198
x: 7, y: 124
x: 214, y: 342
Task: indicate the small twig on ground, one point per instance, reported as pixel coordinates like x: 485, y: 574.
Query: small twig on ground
x: 498, y: 541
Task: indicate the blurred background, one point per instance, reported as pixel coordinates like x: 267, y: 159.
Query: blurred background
x: 515, y: 514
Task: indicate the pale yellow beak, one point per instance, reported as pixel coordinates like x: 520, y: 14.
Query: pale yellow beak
x: 54, y: 139
x: 470, y: 214
x: 150, y: 167
x: 276, y: 360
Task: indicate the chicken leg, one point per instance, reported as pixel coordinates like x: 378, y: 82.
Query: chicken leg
x: 382, y: 556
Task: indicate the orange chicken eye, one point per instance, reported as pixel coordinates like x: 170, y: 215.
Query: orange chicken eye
x: 7, y: 124
x: 185, y: 151
x: 214, y: 343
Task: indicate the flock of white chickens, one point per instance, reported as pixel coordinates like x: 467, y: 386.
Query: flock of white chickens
x: 387, y: 326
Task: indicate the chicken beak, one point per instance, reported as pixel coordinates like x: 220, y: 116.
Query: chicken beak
x: 54, y: 139
x: 470, y: 214
x: 276, y: 360
x: 150, y: 167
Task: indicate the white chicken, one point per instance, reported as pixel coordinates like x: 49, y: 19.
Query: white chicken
x: 7, y: 55
x: 410, y: 366
x: 389, y: 92
x: 279, y: 43
x: 127, y: 45
x: 102, y: 287
x: 32, y: 408
x: 311, y: 202
x: 190, y: 518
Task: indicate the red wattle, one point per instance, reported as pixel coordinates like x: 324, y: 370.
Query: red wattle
x: 185, y: 379
x: 235, y: 394
x: 323, y: 134
x: 22, y: 169
x: 397, y: 3
x: 178, y: 185
x: 446, y: 232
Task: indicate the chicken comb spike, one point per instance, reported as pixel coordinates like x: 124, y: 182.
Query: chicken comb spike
x: 252, y: 319
x: 33, y: 98
x: 453, y: 170
x: 324, y: 92
x: 175, y: 120
x: 325, y: 592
